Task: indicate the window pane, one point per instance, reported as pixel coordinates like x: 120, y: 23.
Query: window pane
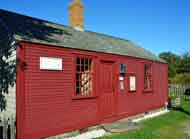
x: 122, y: 68
x: 122, y: 86
x: 90, y: 65
x: 78, y: 61
x: 77, y: 91
x: 122, y: 82
x: 78, y: 68
x: 82, y: 68
x: 86, y: 61
x: 82, y: 61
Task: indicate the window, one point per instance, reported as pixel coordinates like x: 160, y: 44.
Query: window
x: 122, y: 74
x: 84, y: 76
x: 147, y: 77
x: 123, y: 68
x: 132, y: 83
x: 122, y: 83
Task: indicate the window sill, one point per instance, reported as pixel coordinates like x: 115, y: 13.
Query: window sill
x: 132, y: 91
x: 83, y: 97
x: 148, y: 91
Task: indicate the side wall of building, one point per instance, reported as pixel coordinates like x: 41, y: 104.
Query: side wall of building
x: 46, y: 104
x: 141, y: 100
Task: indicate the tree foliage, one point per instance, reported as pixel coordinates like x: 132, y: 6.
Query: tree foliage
x: 172, y: 60
x: 178, y: 67
x: 184, y: 65
x: 7, y: 63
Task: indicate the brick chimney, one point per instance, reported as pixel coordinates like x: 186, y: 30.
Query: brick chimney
x: 76, y: 10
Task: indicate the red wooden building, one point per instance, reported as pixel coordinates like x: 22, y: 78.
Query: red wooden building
x: 69, y: 78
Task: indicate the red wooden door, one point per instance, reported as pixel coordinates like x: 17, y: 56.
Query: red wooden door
x: 107, y: 89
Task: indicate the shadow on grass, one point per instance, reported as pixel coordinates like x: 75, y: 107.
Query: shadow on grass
x: 181, y: 110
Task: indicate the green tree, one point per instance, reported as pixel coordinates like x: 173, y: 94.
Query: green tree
x: 184, y: 64
x: 7, y: 64
x: 173, y: 61
x: 178, y: 67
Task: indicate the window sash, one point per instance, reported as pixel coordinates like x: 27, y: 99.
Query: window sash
x: 148, y: 77
x: 84, y: 76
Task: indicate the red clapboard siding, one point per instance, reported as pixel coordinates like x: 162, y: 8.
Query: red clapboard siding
x: 47, y: 98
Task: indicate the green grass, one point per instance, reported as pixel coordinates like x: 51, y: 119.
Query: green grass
x: 173, y: 125
x: 185, y: 105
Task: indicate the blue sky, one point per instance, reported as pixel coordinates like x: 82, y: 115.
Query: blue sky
x: 157, y: 25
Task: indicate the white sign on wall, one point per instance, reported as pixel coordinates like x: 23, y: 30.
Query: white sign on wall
x: 51, y: 63
x: 132, y: 82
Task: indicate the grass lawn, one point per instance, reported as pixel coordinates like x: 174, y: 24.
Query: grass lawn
x: 173, y: 125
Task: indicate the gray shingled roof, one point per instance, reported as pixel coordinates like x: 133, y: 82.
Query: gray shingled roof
x: 40, y: 31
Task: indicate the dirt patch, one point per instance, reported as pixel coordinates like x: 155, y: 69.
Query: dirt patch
x: 120, y: 126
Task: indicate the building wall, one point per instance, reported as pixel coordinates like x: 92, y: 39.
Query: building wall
x: 46, y: 97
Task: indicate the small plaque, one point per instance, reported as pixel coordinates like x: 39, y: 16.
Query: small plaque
x: 51, y: 63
